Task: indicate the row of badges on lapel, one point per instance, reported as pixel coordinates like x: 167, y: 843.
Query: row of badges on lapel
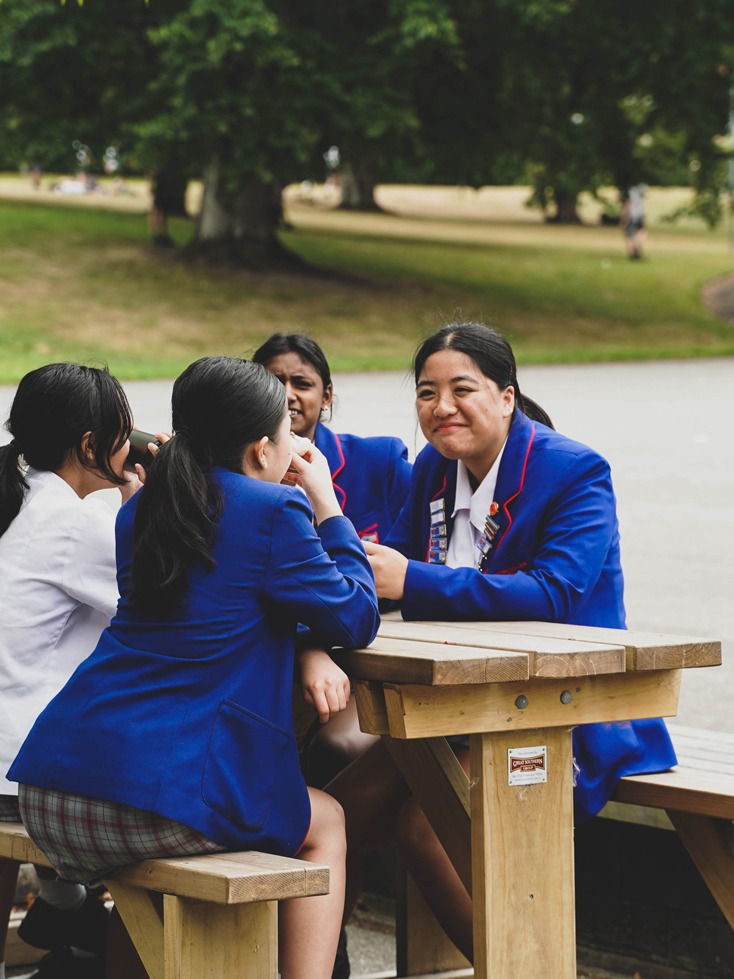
x: 486, y: 541
x: 438, y: 544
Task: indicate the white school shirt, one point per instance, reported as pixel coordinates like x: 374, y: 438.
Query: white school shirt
x: 58, y: 591
x: 471, y: 510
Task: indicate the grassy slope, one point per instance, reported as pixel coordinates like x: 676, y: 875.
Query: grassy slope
x: 79, y: 281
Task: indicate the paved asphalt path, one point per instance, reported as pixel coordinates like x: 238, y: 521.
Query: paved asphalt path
x: 666, y: 428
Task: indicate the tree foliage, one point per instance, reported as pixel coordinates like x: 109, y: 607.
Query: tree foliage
x: 572, y: 95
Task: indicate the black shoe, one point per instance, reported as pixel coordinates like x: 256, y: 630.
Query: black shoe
x: 63, y: 964
x: 341, y: 963
x: 47, y: 927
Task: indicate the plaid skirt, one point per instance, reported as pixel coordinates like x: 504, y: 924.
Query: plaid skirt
x: 89, y: 840
x: 9, y: 810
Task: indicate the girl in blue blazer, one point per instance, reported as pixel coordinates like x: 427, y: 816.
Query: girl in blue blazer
x: 371, y: 478
x: 506, y: 519
x: 189, y: 689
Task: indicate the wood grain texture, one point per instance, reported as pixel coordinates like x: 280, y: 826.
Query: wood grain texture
x: 421, y: 946
x: 522, y: 861
x: 701, y: 783
x: 425, y: 712
x: 644, y: 650
x: 142, y: 915
x: 434, y: 662
x: 710, y: 842
x: 16, y: 844
x: 201, y: 939
x: 440, y: 784
x: 547, y: 655
x: 230, y: 878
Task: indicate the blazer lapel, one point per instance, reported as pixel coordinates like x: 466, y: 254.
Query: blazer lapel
x: 511, y: 477
x: 328, y: 442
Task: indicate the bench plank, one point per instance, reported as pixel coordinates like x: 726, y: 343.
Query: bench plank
x: 702, y: 782
x: 230, y: 878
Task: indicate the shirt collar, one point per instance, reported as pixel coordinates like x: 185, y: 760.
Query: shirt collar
x: 477, y: 502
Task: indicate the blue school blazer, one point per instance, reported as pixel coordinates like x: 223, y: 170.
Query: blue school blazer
x: 371, y: 478
x: 189, y: 714
x: 555, y: 558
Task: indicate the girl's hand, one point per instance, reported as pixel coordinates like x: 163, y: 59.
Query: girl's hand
x: 309, y: 469
x: 133, y: 481
x: 389, y: 567
x: 325, y: 685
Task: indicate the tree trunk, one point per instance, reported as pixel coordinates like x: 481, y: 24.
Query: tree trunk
x: 566, y: 212
x: 358, y: 188
x: 240, y: 228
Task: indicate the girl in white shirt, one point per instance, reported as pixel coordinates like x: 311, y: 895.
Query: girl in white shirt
x: 58, y: 591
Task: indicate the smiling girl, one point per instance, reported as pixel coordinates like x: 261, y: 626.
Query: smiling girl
x: 507, y: 519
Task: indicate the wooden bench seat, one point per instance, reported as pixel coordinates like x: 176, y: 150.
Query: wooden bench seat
x: 696, y: 798
x: 189, y: 917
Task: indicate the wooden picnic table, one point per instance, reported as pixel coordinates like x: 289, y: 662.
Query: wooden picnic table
x: 518, y: 689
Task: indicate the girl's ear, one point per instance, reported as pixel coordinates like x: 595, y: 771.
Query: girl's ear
x: 87, y: 444
x: 255, y: 460
x: 508, y: 400
x: 328, y: 397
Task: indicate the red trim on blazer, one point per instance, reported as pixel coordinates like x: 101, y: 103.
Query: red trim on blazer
x: 370, y: 533
x: 519, y: 491
x: 337, y: 488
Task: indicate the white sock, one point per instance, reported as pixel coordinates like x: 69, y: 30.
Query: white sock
x: 62, y: 894
x: 2, y: 970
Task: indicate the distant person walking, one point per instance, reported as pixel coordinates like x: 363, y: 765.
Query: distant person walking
x: 632, y: 220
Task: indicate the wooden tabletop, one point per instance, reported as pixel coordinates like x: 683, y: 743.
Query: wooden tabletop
x: 451, y: 653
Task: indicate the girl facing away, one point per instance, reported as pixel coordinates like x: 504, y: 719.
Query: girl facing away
x: 190, y: 686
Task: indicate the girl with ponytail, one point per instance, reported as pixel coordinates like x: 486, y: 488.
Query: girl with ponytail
x: 69, y: 426
x: 506, y: 519
x: 190, y: 686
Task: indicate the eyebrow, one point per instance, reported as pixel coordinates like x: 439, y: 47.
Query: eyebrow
x: 453, y: 380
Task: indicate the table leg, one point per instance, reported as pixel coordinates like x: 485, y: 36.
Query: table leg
x: 522, y: 858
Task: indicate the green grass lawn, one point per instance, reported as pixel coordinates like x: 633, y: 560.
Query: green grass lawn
x: 79, y: 281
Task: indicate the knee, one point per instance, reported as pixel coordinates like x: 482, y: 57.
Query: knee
x: 327, y: 824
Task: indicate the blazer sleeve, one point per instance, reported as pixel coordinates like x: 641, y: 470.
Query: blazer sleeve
x: 557, y: 572
x: 322, y: 576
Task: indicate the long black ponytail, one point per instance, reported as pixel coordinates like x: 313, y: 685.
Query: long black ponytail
x: 219, y: 406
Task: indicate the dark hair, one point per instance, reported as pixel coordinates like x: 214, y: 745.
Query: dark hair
x: 53, y: 408
x: 295, y: 343
x: 219, y: 406
x: 492, y: 354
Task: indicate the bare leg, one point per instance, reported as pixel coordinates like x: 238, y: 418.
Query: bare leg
x: 371, y: 792
x: 309, y: 926
x: 434, y: 873
x: 8, y: 878
x: 335, y: 745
